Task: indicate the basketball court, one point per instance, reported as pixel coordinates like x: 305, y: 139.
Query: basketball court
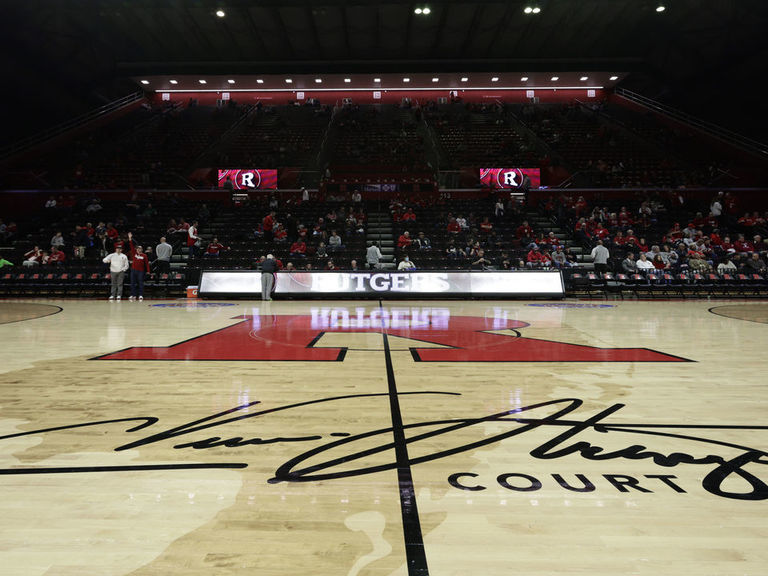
x: 383, y: 438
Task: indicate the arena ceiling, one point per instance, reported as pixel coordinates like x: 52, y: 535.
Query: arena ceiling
x: 81, y: 50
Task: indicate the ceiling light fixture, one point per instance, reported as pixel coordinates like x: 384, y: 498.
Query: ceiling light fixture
x: 660, y: 8
x: 426, y: 10
x: 220, y: 13
x: 203, y: 81
x: 347, y: 80
x: 288, y: 81
x: 524, y: 79
x: 145, y: 82
x: 259, y: 81
x: 230, y: 81
x: 174, y: 82
x: 318, y: 80
x: 495, y: 79
x: 555, y: 78
x: 406, y: 79
x: 465, y: 79
x: 528, y: 10
x: 614, y: 78
x: 418, y: 10
x: 536, y: 10
x: 377, y: 79
x: 435, y: 79
x: 584, y: 78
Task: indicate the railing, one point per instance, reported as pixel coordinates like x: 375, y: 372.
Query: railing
x: 729, y: 136
x: 37, y: 139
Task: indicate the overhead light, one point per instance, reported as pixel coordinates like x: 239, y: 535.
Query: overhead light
x: 318, y: 80
x: 584, y: 78
x: 203, y: 82
x: 406, y: 79
x: 614, y: 78
x: 288, y: 81
x: 377, y: 79
x: 524, y: 79
x: 347, y: 80
x: 259, y: 81
x: 145, y: 82
x: 495, y: 79
x: 555, y: 78
x: 660, y: 8
x: 536, y: 10
x: 230, y: 81
x: 426, y: 10
x: 174, y: 82
x: 464, y: 79
x: 418, y: 11
x: 528, y: 10
x: 220, y: 13
x: 435, y: 79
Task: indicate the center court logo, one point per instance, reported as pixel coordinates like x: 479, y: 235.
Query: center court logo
x: 460, y: 339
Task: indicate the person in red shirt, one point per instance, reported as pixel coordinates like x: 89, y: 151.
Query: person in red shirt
x: 299, y: 248
x: 112, y: 232
x: 743, y: 245
x: 453, y: 226
x: 746, y: 220
x: 215, y: 248
x: 409, y: 216
x: 139, y: 268
x: 601, y: 232
x: 56, y: 256
x: 281, y: 234
x: 619, y: 239
x: 537, y: 259
x: 524, y: 232
x: 486, y: 226
x: 405, y: 241
x: 193, y: 240
x: 268, y: 225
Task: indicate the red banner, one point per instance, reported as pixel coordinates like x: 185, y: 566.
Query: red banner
x: 249, y: 179
x: 509, y: 178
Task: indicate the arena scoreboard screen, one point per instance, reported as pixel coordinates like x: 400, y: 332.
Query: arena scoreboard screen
x: 510, y: 178
x: 248, y: 178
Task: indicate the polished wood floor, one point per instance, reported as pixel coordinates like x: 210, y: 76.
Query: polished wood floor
x: 359, y: 438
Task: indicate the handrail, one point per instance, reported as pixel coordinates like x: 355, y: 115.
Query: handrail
x: 724, y: 134
x: 54, y: 131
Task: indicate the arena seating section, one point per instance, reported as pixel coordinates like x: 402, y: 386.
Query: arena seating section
x: 343, y: 149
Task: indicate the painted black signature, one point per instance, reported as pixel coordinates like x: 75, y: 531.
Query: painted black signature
x: 315, y: 464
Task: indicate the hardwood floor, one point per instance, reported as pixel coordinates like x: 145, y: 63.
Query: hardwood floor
x: 366, y: 438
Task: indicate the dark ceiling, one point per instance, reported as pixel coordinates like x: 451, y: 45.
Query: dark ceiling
x: 65, y: 56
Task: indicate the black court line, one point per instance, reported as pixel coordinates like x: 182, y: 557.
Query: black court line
x: 73, y: 469
x: 415, y: 554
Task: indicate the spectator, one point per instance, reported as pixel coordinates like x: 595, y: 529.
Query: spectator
x: 334, y: 242
x: 164, y: 251
x: 33, y: 257
x: 481, y: 262
x: 214, y: 248
x: 406, y: 264
x: 628, y: 265
x: 559, y: 258
x: 299, y: 249
x: 643, y: 264
x: 405, y: 241
x: 600, y: 257
x: 726, y: 266
x: 755, y: 264
x: 373, y: 256
x: 193, y: 240
x: 57, y: 256
x: 422, y: 242
x: 268, y: 225
x: 58, y: 240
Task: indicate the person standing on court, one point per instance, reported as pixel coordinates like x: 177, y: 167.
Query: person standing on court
x: 268, y: 269
x: 373, y: 256
x: 164, y: 252
x: 600, y: 257
x: 118, y: 264
x: 139, y: 267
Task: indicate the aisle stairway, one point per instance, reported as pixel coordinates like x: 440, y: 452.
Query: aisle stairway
x: 380, y: 231
x: 541, y: 222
